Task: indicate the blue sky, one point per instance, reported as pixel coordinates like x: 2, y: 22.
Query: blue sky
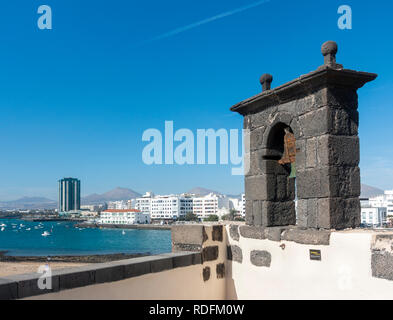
x: 76, y: 99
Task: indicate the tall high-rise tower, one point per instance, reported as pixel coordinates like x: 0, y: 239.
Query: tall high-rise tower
x: 69, y: 194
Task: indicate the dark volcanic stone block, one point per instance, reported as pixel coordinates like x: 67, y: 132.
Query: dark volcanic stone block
x: 260, y: 258
x: 280, y: 213
x: 258, y: 213
x: 315, y: 123
x: 217, y: 233
x: 338, y: 150
x: 234, y: 232
x: 307, y: 213
x: 188, y: 235
x: 252, y: 232
x: 249, y: 213
x: 307, y: 236
x: 74, y: 279
x: 313, y: 183
x: 163, y: 264
x: 210, y: 253
x: 220, y: 271
x: 382, y: 265
x: 28, y: 284
x: 197, y: 258
x: 328, y: 182
x: 109, y: 274
x: 235, y: 253
x: 184, y: 259
x: 8, y: 289
x: 177, y: 247
x: 205, y: 237
x: 338, y: 213
x: 256, y: 138
x: 274, y: 233
x: 262, y: 187
x: 206, y: 273
x: 137, y: 269
x: 261, y: 118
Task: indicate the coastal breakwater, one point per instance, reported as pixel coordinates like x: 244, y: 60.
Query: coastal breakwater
x: 125, y: 226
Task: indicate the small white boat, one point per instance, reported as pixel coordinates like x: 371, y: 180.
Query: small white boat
x: 2, y: 229
x: 3, y: 225
x: 45, y: 234
x: 28, y: 229
x: 123, y: 232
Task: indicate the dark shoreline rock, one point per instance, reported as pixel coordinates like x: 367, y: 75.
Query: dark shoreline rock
x: 96, y: 258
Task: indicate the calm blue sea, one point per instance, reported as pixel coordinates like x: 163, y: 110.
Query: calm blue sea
x: 25, y: 238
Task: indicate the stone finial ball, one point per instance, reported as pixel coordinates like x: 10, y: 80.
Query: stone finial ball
x: 266, y: 78
x: 329, y: 47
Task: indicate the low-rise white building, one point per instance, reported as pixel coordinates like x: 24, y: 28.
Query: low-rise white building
x: 373, y: 216
x: 121, y: 204
x: 123, y: 217
x: 384, y: 202
x: 91, y: 207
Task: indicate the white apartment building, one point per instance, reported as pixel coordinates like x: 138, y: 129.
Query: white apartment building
x: 373, y: 216
x: 168, y: 207
x: 238, y: 204
x: 172, y: 207
x: 383, y: 201
x: 186, y: 204
x: 143, y: 204
x: 123, y: 217
x: 165, y: 208
x: 205, y: 206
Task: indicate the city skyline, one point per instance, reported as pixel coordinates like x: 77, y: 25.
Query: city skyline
x: 85, y: 86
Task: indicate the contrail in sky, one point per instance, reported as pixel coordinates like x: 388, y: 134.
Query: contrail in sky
x: 207, y: 20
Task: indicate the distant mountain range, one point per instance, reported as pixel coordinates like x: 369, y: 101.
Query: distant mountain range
x: 368, y: 191
x: 113, y: 195
x: 118, y: 194
x: 27, y: 203
x: 203, y: 192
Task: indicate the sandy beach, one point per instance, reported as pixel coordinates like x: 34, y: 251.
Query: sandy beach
x: 11, y: 268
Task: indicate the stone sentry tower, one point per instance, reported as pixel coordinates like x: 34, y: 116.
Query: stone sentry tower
x: 318, y: 111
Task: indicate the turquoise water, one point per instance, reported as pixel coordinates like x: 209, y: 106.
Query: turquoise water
x: 64, y: 239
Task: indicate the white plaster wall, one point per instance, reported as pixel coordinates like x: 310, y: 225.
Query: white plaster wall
x: 343, y: 273
x: 176, y: 284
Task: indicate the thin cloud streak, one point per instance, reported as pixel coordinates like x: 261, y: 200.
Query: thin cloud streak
x: 207, y: 20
